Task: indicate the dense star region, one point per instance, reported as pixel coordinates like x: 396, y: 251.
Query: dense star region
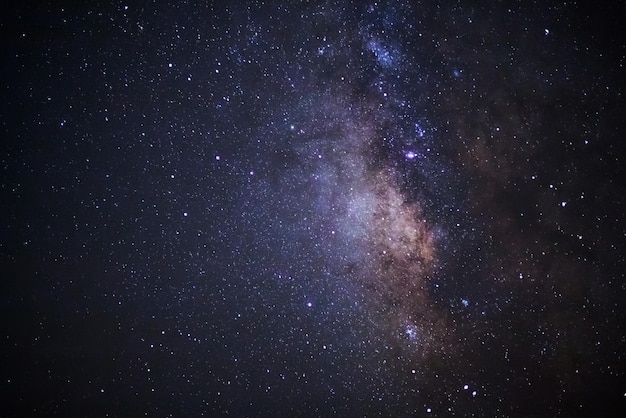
x: 313, y: 208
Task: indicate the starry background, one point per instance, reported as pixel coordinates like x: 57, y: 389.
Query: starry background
x: 313, y: 209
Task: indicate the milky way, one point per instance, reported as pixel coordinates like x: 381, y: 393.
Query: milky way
x: 377, y: 241
x: 313, y: 209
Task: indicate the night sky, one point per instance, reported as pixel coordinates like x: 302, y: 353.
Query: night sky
x: 315, y: 208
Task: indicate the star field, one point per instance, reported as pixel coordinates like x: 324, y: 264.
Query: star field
x: 313, y: 209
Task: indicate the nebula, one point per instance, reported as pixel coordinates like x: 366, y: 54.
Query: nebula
x: 382, y: 241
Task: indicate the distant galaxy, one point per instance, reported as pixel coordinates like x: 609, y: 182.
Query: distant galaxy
x: 313, y: 208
